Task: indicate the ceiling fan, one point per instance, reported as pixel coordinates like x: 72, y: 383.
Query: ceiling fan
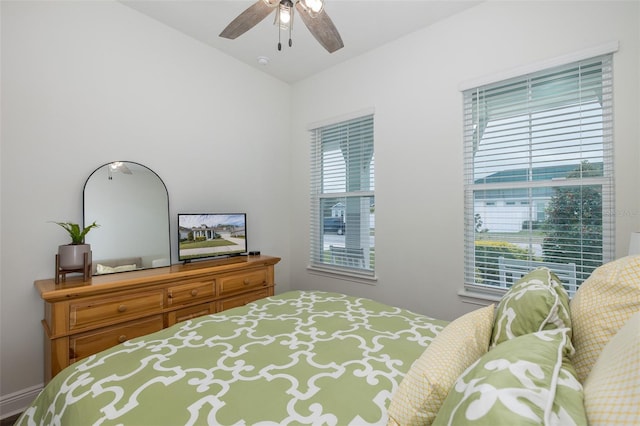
x: 311, y: 12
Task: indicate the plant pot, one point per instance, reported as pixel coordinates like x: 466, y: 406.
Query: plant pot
x: 71, y: 256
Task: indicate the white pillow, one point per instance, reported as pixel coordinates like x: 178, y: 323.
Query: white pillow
x: 601, y: 306
x: 426, y: 385
x: 612, y: 390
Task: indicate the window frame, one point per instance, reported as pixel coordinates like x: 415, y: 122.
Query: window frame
x: 319, y: 263
x: 471, y: 289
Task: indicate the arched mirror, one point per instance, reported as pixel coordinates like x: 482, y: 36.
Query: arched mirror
x: 131, y: 204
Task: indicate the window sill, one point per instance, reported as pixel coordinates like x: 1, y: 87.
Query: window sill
x: 343, y: 275
x: 481, y: 298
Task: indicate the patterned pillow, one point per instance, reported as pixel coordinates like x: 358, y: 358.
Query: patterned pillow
x: 601, y: 306
x: 527, y: 380
x: 611, y: 393
x: 427, y: 383
x: 538, y: 301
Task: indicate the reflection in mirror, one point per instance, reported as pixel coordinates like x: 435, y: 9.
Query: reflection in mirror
x: 131, y: 204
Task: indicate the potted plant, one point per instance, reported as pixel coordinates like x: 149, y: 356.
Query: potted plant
x: 71, y: 256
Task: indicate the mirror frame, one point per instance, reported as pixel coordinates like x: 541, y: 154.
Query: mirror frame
x: 84, y: 213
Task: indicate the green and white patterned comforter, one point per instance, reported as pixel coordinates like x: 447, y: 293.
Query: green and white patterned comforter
x: 296, y: 358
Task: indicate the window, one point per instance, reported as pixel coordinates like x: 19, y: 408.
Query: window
x: 342, y: 197
x: 545, y: 140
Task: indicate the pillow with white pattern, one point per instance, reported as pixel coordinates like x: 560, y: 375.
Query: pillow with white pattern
x: 527, y: 380
x: 537, y: 302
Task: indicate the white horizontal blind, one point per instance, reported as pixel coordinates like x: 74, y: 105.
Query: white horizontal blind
x: 539, y: 174
x: 342, y: 196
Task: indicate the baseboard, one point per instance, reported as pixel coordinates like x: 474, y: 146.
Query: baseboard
x: 16, y: 402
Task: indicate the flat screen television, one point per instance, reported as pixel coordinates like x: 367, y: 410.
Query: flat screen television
x: 211, y: 235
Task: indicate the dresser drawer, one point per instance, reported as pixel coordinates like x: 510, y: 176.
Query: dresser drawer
x: 192, y: 291
x: 189, y: 313
x: 239, y: 282
x: 104, y: 311
x: 234, y: 302
x: 85, y: 344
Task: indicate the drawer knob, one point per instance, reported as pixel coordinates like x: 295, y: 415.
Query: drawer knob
x: 246, y: 281
x: 122, y: 338
x: 122, y: 308
x: 194, y: 292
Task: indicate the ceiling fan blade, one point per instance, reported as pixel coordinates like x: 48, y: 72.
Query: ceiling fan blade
x: 247, y: 19
x: 322, y: 29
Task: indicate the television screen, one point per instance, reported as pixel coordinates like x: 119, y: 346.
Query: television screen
x: 207, y: 235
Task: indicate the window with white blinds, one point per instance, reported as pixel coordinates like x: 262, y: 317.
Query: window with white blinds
x: 539, y: 175
x: 342, y: 197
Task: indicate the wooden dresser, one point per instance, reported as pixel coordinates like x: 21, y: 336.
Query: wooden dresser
x: 85, y: 317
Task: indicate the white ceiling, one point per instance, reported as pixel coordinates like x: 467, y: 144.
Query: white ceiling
x: 363, y: 25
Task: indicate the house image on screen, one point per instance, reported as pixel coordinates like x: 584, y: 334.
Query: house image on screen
x: 211, y: 232
x: 512, y: 209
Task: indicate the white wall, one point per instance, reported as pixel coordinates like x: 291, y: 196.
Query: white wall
x: 86, y: 83
x: 413, y: 84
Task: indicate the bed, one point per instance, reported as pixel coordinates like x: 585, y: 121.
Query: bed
x: 312, y: 357
x: 294, y: 358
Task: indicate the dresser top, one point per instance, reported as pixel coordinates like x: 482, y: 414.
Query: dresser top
x: 75, y: 286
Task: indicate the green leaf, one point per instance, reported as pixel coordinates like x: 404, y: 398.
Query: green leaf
x: 77, y: 235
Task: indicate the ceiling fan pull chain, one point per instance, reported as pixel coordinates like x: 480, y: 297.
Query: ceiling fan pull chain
x: 279, y: 43
x: 290, y: 42
x: 278, y: 24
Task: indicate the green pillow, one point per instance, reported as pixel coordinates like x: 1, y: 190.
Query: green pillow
x: 537, y: 302
x: 527, y: 380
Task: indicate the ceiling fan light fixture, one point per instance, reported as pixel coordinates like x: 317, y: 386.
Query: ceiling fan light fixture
x: 285, y: 14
